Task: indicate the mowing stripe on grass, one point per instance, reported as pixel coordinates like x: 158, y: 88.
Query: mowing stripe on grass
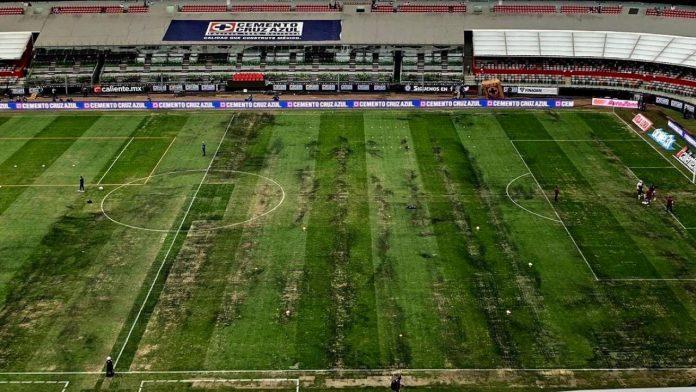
x: 337, y: 310
x: 166, y: 255
x: 473, y: 325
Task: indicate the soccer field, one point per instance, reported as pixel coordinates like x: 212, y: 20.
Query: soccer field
x: 359, y: 240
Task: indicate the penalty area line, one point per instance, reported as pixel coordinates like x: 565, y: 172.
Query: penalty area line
x: 159, y: 161
x: 114, y: 162
x: 554, y: 211
x: 24, y: 382
x: 171, y: 245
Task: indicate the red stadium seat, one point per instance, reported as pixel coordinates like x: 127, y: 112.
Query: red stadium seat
x: 203, y: 8
x: 76, y: 10
x: 11, y: 11
x: 432, y: 8
x: 248, y: 77
x: 579, y: 9
x: 671, y: 13
x: 261, y: 8
x: 316, y: 8
x: 524, y: 9
x: 138, y: 9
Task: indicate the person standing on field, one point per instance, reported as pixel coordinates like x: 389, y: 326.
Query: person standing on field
x: 203, y: 148
x: 109, y: 367
x: 639, y: 189
x: 670, y: 204
x: 82, y: 184
x: 556, y: 192
x: 396, y: 383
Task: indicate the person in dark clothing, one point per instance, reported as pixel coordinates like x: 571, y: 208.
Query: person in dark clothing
x: 203, y: 148
x: 556, y: 192
x: 396, y: 383
x: 670, y: 204
x: 110, y: 367
x: 82, y: 184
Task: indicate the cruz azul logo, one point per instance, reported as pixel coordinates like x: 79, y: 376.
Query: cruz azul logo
x: 237, y: 30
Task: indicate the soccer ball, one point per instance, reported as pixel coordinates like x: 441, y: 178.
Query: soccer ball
x: 101, y: 188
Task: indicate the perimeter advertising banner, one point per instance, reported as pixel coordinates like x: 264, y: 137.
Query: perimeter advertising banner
x: 253, y: 30
x: 615, y: 103
x: 289, y: 105
x: 642, y: 122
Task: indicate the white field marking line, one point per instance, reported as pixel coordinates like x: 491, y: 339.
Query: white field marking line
x: 673, y: 216
x: 653, y: 147
x: 221, y: 380
x: 159, y: 161
x: 348, y: 370
x: 651, y: 280
x: 56, y: 185
x: 507, y: 192
x: 65, y: 383
x: 650, y: 167
x: 573, y: 140
x: 80, y: 137
x: 171, y: 245
x: 554, y: 211
x: 253, y: 218
x: 114, y: 161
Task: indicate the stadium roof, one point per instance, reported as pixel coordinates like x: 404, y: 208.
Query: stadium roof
x: 13, y: 44
x: 358, y: 28
x: 658, y: 48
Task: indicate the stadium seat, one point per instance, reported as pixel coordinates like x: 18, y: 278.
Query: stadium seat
x: 432, y: 8
x: 578, y: 9
x: 671, y: 13
x: 316, y: 8
x: 11, y: 11
x: 248, y: 77
x: 524, y: 9
x: 76, y: 10
x: 203, y: 8
x: 261, y: 8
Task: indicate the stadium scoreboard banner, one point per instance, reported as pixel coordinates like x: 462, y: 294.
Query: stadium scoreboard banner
x: 290, y: 105
x: 253, y: 30
x: 615, y: 103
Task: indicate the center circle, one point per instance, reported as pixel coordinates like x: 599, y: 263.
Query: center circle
x: 143, y: 203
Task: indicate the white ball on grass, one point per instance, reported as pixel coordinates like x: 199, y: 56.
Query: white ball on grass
x: 477, y: 227
x: 530, y: 264
x: 508, y: 312
x: 101, y: 188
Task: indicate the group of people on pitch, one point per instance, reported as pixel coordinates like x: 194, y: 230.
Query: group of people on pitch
x: 647, y: 197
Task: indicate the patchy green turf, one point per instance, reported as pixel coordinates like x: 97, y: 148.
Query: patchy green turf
x: 404, y: 240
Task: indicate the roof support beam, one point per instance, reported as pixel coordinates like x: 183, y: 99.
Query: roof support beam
x: 663, y: 49
x: 630, y: 55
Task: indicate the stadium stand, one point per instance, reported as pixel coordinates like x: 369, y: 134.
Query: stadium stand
x: 630, y: 74
x: 579, y: 9
x: 99, y: 9
x: 261, y: 8
x: 11, y: 11
x: 203, y: 8
x: 432, y: 8
x: 524, y: 9
x: 316, y: 8
x: 671, y: 13
x: 248, y: 77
